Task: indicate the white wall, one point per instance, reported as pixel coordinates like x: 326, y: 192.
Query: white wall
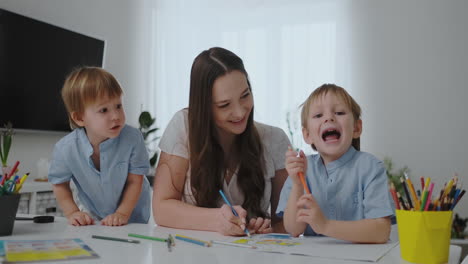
x: 410, y: 66
x: 408, y: 70
x: 119, y: 23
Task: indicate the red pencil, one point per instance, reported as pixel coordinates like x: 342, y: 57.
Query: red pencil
x: 394, y: 195
x: 13, y: 170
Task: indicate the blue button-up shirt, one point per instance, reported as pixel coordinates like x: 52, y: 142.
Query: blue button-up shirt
x: 101, y: 191
x: 354, y: 187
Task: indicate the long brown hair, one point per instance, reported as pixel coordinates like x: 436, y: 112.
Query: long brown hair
x: 206, y: 154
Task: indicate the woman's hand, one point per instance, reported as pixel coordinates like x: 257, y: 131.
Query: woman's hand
x: 79, y: 218
x: 115, y: 219
x: 260, y: 226
x: 228, y: 223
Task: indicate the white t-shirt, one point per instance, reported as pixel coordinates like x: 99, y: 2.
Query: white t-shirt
x: 275, y: 144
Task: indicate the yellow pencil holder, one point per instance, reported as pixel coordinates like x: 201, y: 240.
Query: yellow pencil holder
x: 424, y: 236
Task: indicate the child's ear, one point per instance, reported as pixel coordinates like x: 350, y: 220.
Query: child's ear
x: 357, y: 129
x: 77, y: 118
x: 307, y: 136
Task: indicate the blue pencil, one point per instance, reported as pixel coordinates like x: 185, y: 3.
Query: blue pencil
x: 233, y: 211
x: 193, y: 240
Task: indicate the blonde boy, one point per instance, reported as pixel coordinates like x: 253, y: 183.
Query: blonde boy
x: 105, y: 158
x: 349, y: 197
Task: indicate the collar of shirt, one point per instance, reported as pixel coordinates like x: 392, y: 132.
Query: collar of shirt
x: 332, y: 166
x: 103, y: 146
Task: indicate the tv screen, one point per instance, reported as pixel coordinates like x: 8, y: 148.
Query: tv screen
x: 35, y: 58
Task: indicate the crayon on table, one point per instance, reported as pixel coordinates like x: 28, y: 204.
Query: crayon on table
x: 193, y: 240
x: 233, y: 244
x: 117, y: 239
x: 148, y: 237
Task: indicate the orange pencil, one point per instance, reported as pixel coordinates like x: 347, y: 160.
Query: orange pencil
x: 301, y: 175
x: 303, y: 179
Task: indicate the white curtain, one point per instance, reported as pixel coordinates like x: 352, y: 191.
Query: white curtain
x: 289, y: 48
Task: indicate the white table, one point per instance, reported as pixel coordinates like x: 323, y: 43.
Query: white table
x: 156, y: 252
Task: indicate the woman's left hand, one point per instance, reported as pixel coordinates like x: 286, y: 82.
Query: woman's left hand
x: 260, y: 226
x: 115, y: 219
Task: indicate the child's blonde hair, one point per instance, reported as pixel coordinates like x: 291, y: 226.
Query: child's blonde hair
x: 84, y: 85
x: 341, y: 93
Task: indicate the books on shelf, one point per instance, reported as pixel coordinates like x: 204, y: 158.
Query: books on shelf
x: 21, y: 251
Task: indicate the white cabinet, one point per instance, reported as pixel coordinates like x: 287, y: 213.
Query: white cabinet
x: 37, y: 198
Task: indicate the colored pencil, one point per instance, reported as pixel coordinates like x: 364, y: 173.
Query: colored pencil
x: 426, y: 207
x: 193, y: 240
x: 148, y: 237
x: 394, y: 196
x: 233, y: 244
x: 232, y: 209
x: 117, y: 239
x: 408, y: 197
x: 413, y: 193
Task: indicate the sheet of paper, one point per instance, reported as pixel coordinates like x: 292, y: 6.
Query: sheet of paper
x: 324, y: 247
x: 41, y: 250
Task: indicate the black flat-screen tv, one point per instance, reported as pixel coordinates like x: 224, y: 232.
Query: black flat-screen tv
x: 35, y: 58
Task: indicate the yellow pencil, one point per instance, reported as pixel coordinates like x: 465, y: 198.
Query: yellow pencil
x: 20, y: 184
x: 448, y: 188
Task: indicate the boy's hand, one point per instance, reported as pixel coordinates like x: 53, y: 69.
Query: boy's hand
x: 295, y: 164
x: 308, y: 211
x: 228, y: 223
x: 260, y: 226
x: 115, y: 219
x: 79, y: 218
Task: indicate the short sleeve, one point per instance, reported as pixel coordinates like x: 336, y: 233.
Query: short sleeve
x: 139, y: 160
x: 279, y: 147
x: 175, y: 137
x: 284, y: 196
x: 58, y: 170
x: 377, y: 200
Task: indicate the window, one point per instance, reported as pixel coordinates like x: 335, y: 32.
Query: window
x: 289, y: 48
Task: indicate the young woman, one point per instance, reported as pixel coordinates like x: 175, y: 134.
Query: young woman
x: 216, y: 145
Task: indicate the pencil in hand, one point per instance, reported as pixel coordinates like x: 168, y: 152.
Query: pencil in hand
x: 301, y: 175
x: 246, y: 230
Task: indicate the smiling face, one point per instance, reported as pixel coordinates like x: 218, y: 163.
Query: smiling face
x: 232, y: 104
x: 331, y: 126
x: 102, y: 119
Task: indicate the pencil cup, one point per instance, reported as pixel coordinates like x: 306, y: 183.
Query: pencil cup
x: 424, y: 236
x: 8, y: 208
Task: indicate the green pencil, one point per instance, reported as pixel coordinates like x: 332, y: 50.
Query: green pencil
x: 117, y: 239
x: 148, y: 237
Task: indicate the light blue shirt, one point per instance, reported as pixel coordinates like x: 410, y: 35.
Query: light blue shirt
x: 101, y: 191
x: 354, y: 187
